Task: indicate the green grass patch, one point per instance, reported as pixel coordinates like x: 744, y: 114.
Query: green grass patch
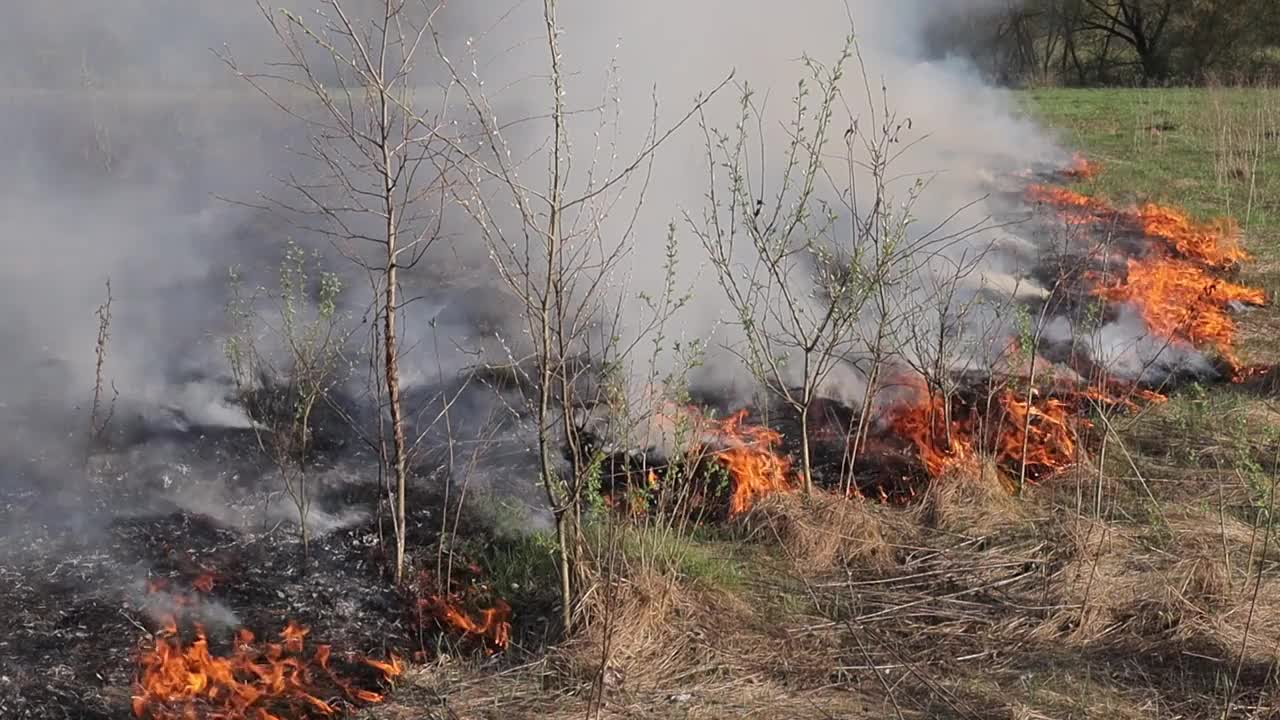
x: 702, y: 555
x: 1215, y: 152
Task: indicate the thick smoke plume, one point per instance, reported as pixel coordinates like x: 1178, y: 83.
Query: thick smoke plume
x: 129, y: 136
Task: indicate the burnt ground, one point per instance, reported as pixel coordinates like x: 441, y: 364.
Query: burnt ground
x: 79, y: 551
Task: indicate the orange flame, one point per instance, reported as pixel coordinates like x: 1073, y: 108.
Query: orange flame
x: 1173, y: 287
x: 1082, y: 168
x: 1216, y: 245
x: 1181, y: 300
x: 1042, y: 427
x: 491, y: 626
x: 204, y: 583
x: 942, y: 442
x: 178, y: 680
x: 1076, y: 207
x: 750, y: 454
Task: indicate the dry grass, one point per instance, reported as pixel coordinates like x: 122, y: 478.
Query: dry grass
x: 974, y: 496
x: 822, y: 532
x: 868, y: 611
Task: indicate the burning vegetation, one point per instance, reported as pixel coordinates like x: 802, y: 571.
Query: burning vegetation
x: 466, y: 609
x: 751, y: 454
x: 1173, y: 272
x: 1026, y: 425
x: 1177, y: 284
x: 181, y: 676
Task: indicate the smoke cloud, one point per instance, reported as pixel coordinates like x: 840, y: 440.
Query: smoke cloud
x: 130, y: 134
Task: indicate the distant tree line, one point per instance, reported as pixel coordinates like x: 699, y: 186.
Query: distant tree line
x: 1118, y: 42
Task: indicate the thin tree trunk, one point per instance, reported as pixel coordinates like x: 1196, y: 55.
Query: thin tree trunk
x: 392, y: 369
x: 391, y: 361
x: 804, y: 448
x: 545, y: 449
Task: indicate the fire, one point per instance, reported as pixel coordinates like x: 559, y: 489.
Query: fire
x: 1181, y: 300
x: 1173, y: 286
x: 940, y: 441
x: 490, y: 626
x: 1216, y: 245
x: 1077, y: 208
x: 1043, y: 426
x: 280, y: 680
x: 459, y: 607
x: 750, y: 454
x: 204, y: 583
x: 1082, y: 168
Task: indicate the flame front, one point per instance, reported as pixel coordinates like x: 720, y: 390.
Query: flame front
x: 1074, y: 208
x: 1181, y: 300
x: 750, y: 454
x: 1216, y: 245
x: 1174, y: 286
x: 281, y: 680
x: 940, y: 441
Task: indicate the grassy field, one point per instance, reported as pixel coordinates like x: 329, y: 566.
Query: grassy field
x: 1215, y: 152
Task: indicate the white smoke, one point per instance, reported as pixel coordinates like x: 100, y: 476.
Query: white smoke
x: 131, y: 132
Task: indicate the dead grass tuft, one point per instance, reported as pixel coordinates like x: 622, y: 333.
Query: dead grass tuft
x: 972, y: 496
x: 1095, y: 578
x: 822, y: 531
x: 632, y: 639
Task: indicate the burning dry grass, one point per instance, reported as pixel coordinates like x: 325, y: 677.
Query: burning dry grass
x: 1182, y: 300
x: 1178, y: 284
x: 949, y: 607
x: 466, y: 608
x: 185, y: 677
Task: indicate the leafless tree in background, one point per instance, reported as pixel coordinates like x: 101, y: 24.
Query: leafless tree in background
x: 1104, y: 42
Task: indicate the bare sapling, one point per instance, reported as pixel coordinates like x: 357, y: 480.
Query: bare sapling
x: 816, y: 270
x: 381, y: 173
x: 100, y: 417
x: 795, y: 299
x: 284, y: 354
x: 555, y: 248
